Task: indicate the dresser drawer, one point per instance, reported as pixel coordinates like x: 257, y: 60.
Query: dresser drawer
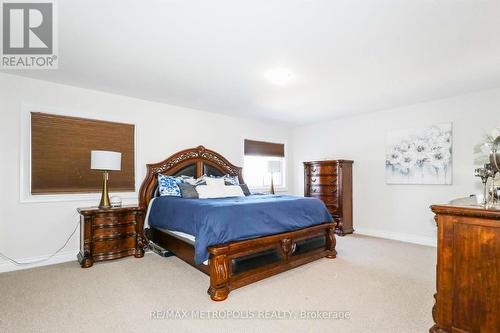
x: 327, y: 189
x: 333, y: 210
x: 316, y: 170
x: 113, y: 246
x: 111, y: 231
x: 327, y: 199
x: 322, y: 180
x: 113, y: 219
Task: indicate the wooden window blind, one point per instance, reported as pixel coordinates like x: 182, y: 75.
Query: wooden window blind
x: 60, y: 154
x: 261, y: 148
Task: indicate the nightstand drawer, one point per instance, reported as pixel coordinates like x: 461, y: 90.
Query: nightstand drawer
x: 113, y: 246
x: 111, y: 231
x: 113, y: 219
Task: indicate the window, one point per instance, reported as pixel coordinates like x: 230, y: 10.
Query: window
x: 60, y: 154
x: 262, y: 161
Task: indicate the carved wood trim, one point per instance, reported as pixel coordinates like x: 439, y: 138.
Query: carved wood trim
x: 219, y: 277
x: 331, y: 242
x: 197, y: 156
x: 287, y: 246
x: 437, y: 329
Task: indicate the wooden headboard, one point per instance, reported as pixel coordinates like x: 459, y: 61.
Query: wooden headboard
x: 194, y: 162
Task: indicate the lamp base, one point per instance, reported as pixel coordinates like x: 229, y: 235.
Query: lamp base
x: 104, y: 204
x: 272, y: 184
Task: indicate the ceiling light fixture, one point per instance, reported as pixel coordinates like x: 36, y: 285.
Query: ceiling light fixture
x: 279, y: 76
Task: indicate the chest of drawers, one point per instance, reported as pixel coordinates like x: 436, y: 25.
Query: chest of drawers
x: 331, y: 182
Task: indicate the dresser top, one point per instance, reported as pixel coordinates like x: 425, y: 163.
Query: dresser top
x: 97, y: 210
x: 467, y: 210
x: 328, y: 162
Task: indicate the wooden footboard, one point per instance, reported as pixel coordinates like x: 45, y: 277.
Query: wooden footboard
x: 237, y: 264
x: 240, y: 263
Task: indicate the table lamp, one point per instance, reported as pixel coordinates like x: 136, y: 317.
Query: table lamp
x: 105, y: 161
x: 273, y: 167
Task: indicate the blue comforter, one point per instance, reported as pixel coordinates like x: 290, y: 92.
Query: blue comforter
x: 218, y: 221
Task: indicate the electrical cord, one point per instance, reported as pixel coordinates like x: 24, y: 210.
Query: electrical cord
x: 44, y: 259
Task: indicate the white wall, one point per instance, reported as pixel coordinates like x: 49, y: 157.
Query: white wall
x: 32, y: 230
x: 35, y: 230
x: 400, y: 211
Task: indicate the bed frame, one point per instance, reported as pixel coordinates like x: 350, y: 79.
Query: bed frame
x: 235, y: 264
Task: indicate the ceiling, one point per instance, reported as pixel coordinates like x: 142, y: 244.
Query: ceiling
x: 346, y: 56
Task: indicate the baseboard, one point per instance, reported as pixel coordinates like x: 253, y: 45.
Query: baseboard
x: 407, y: 238
x: 6, y: 266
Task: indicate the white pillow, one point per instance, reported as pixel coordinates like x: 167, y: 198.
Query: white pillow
x: 211, y: 191
x: 233, y: 191
x: 214, y: 181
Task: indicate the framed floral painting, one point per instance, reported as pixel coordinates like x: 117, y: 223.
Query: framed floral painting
x: 420, y: 156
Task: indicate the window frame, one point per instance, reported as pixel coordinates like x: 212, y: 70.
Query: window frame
x: 281, y: 188
x: 25, y: 195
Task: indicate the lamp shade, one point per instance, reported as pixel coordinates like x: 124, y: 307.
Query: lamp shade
x: 105, y: 160
x: 273, y: 166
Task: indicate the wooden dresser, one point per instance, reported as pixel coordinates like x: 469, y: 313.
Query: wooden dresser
x: 468, y: 270
x: 109, y: 234
x: 331, y: 181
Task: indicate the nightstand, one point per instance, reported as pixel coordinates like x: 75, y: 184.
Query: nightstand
x: 109, y: 234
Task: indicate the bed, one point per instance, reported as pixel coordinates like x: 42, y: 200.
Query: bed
x: 245, y: 239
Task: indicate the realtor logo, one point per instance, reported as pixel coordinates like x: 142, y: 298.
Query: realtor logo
x: 28, y: 31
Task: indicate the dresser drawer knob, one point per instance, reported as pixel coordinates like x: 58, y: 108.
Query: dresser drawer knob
x: 314, y: 180
x: 314, y: 170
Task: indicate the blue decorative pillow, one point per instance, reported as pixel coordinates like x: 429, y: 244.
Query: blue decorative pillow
x: 231, y: 180
x: 167, y: 186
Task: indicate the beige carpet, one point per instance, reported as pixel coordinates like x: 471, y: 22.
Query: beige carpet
x: 386, y: 286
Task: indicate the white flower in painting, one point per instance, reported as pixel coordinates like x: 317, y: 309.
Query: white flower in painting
x: 394, y: 156
x: 439, y: 158
x: 404, y: 146
x: 443, y: 140
x: 420, y: 148
x: 408, y: 161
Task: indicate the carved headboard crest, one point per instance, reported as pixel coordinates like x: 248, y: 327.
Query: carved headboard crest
x: 198, y: 157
